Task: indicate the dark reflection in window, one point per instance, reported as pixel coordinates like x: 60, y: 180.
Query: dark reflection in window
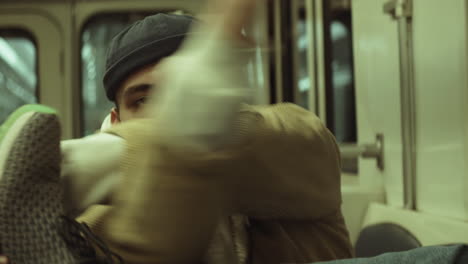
x: 341, y: 101
x: 303, y: 78
x: 339, y: 72
x: 344, y: 107
x: 18, y: 71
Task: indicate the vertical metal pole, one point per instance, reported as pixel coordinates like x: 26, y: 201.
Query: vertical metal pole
x: 278, y: 51
x: 320, y: 59
x: 408, y: 110
x: 402, y: 12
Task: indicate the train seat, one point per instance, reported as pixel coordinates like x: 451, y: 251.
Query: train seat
x: 383, y: 238
x: 390, y: 229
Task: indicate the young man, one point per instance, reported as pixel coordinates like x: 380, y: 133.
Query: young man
x: 203, y: 178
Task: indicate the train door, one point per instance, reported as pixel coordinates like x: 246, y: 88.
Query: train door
x: 363, y: 66
x: 322, y: 72
x: 400, y: 85
x: 34, y: 62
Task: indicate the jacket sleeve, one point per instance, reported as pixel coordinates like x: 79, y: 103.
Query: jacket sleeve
x: 292, y: 166
x: 167, y: 204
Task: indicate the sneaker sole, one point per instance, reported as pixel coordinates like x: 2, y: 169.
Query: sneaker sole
x: 30, y: 189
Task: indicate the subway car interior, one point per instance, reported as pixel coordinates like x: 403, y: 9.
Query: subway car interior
x: 389, y: 79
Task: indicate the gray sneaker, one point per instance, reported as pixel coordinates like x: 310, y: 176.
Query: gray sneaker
x: 32, y: 228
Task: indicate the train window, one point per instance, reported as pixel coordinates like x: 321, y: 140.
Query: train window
x: 95, y: 38
x: 303, y: 78
x: 339, y: 62
x: 338, y: 69
x: 18, y: 70
x: 340, y: 93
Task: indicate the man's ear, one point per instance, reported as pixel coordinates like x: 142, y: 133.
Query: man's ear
x: 115, y: 117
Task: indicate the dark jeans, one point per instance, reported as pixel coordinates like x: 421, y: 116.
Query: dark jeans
x: 456, y: 254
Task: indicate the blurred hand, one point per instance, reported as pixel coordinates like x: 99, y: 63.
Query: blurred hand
x: 204, y: 83
x: 3, y: 260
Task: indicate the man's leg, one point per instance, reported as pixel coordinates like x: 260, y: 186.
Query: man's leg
x: 33, y: 228
x: 424, y: 255
x: 30, y: 190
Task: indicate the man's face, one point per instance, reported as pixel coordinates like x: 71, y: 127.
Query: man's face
x: 133, y: 94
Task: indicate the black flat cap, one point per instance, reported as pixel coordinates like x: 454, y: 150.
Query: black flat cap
x: 144, y: 42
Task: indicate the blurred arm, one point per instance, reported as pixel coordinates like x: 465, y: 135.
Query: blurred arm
x: 90, y: 170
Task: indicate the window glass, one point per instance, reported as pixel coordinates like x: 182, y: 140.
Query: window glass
x: 95, y: 39
x: 344, y: 108
x: 340, y: 91
x: 18, y: 70
x: 303, y: 78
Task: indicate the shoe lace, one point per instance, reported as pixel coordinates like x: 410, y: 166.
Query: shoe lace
x: 80, y: 240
